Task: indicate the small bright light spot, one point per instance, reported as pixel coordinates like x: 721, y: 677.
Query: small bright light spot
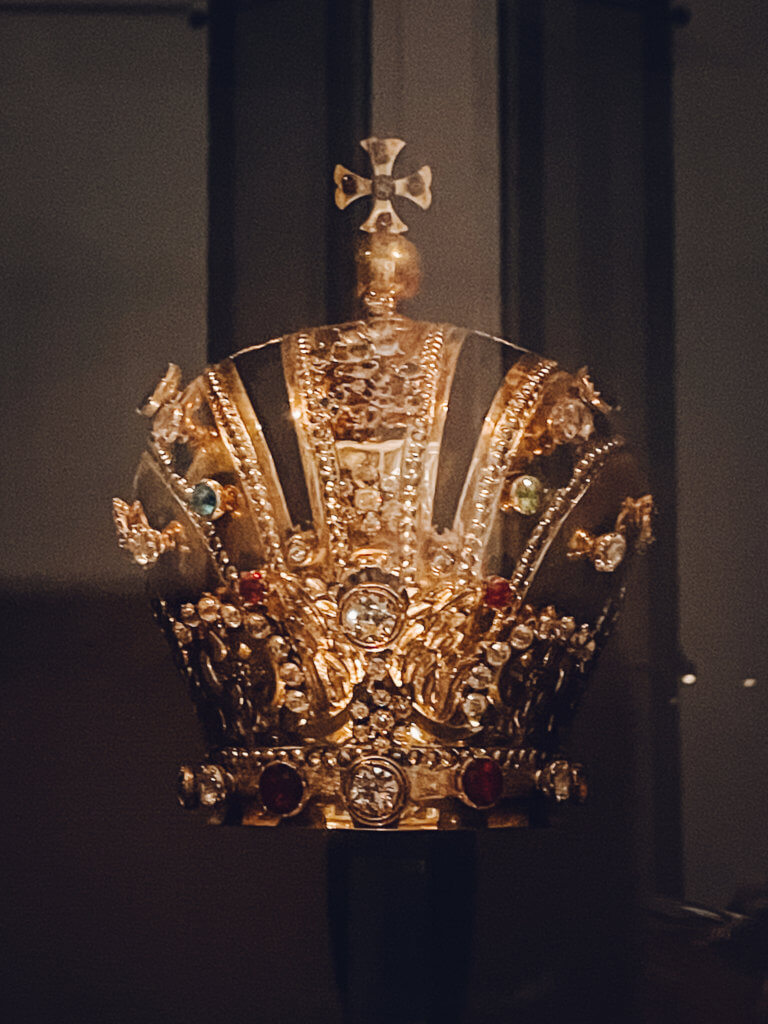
x: 749, y: 683
x: 688, y: 679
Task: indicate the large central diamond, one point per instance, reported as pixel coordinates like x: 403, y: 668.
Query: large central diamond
x: 375, y: 791
x: 370, y: 615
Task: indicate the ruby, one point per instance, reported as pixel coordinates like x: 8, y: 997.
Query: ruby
x: 498, y: 592
x: 252, y: 587
x: 281, y: 788
x: 482, y: 782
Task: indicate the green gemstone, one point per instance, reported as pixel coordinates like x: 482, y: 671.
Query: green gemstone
x: 204, y: 500
x: 526, y: 493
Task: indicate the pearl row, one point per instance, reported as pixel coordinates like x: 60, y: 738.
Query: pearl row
x: 513, y: 422
x: 246, y: 463
x: 414, y: 449
x: 181, y: 490
x: 550, y: 522
x: 322, y: 440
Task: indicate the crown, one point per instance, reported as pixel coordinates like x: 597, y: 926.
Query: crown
x: 385, y: 603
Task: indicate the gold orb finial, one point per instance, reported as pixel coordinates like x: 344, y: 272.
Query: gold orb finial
x: 388, y: 270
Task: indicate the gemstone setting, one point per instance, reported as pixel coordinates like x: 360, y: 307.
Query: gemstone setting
x: 525, y: 494
x: 481, y: 783
x: 205, y: 499
x: 498, y: 592
x: 375, y: 791
x: 281, y: 788
x: 253, y: 590
x: 609, y: 552
x: 370, y: 615
x: 570, y: 420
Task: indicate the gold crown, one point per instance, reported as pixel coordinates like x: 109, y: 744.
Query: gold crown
x: 385, y: 606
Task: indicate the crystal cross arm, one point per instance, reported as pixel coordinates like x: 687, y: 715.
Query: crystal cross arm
x: 382, y: 186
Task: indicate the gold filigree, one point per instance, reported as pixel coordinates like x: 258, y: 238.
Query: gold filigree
x: 134, y: 534
x: 636, y: 518
x: 589, y: 392
x: 608, y: 550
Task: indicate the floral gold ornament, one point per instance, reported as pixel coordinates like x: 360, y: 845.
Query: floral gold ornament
x: 607, y: 551
x: 134, y: 534
x: 636, y: 519
x: 357, y: 609
x: 589, y: 393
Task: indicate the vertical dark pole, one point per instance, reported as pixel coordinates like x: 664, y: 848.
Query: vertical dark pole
x: 401, y: 914
x: 349, y: 121
x: 221, y: 180
x: 665, y: 655
x: 521, y: 150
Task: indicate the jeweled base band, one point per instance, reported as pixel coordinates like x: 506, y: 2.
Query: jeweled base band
x: 349, y: 787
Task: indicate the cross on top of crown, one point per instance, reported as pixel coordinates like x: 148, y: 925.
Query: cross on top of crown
x: 382, y: 186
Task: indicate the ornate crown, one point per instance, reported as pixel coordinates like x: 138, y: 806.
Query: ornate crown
x: 386, y: 605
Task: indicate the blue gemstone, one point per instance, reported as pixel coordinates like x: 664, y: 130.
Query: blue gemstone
x: 204, y: 500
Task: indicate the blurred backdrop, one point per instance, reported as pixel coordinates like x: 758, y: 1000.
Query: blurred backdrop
x: 549, y: 128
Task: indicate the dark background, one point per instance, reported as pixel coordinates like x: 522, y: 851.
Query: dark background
x: 555, y: 128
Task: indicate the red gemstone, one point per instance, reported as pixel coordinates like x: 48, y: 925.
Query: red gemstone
x: 281, y: 788
x: 482, y: 782
x: 498, y: 592
x: 252, y: 587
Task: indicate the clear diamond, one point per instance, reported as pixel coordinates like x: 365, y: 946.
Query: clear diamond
x: 570, y: 419
x: 364, y: 468
x: 231, y: 616
x: 377, y: 669
x: 208, y: 608
x: 375, y: 791
x: 290, y: 674
x: 296, y: 701
x: 277, y: 646
x: 212, y: 787
x: 182, y: 632
x: 610, y: 550
x: 189, y: 614
x: 168, y: 424
x: 390, y: 513
x: 441, y: 559
x: 258, y: 625
x: 298, y: 550
x: 370, y: 615
x: 497, y: 653
x: 359, y: 709
x: 400, y: 707
x: 367, y: 499
x: 144, y: 546
x: 521, y: 637
x: 480, y: 676
x: 371, y: 523
x: 474, y: 705
x: 382, y: 720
